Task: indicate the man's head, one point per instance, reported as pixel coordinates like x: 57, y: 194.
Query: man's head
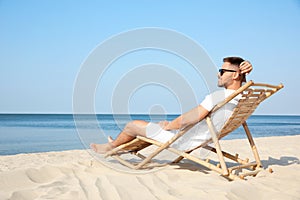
x: 229, y: 75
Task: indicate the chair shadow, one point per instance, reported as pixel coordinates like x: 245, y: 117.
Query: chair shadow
x: 190, y: 165
x: 282, y: 161
x: 193, y: 166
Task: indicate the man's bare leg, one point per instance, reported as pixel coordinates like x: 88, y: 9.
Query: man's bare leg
x: 131, y: 130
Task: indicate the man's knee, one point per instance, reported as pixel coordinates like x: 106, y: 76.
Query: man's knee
x: 133, y: 128
x: 130, y: 126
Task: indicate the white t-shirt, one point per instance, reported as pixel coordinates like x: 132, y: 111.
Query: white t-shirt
x: 200, y: 132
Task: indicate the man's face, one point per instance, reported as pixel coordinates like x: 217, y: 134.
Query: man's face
x: 226, y: 78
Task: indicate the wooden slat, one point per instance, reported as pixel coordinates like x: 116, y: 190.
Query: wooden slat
x: 245, y: 111
x: 241, y: 113
x: 246, y: 104
x: 229, y: 125
x: 248, y: 165
x: 250, y: 100
x: 280, y: 86
x: 254, y: 95
x: 251, y: 173
x: 259, y: 90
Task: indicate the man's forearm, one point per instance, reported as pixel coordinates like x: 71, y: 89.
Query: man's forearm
x: 191, y: 117
x: 174, y: 124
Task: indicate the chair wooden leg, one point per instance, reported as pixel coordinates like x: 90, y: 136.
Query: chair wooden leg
x: 252, y: 144
x: 217, y: 145
x: 178, y: 159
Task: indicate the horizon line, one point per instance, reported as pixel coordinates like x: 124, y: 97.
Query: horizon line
x: 52, y: 113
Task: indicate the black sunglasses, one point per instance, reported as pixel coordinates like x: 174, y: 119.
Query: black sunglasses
x: 222, y: 71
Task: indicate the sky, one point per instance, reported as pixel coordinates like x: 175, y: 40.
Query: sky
x: 44, y: 45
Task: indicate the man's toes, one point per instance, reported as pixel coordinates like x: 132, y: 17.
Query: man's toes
x: 109, y: 138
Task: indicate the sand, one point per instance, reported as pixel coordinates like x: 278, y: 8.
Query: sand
x: 78, y: 174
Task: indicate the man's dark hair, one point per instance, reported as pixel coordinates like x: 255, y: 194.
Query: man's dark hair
x: 236, y: 61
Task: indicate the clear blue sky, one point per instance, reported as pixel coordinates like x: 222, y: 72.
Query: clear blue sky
x: 44, y: 43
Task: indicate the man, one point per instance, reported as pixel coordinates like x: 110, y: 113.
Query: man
x: 230, y: 76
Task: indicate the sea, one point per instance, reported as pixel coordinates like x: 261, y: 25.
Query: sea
x: 32, y: 133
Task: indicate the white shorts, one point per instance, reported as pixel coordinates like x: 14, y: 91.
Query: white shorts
x: 192, y: 138
x: 154, y: 131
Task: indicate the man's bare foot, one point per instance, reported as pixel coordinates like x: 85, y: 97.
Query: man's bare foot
x: 110, y: 140
x: 101, y: 148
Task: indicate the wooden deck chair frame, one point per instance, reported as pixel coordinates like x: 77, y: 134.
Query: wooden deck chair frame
x: 252, y: 95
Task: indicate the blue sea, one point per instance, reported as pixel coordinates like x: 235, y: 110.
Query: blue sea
x: 28, y: 133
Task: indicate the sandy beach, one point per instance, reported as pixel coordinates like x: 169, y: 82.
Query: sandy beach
x: 78, y: 174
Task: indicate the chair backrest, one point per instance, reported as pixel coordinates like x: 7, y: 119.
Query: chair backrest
x: 252, y: 94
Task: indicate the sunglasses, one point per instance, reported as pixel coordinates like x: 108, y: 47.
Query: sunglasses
x: 222, y: 71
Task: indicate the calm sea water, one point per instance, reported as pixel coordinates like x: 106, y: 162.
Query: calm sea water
x: 27, y: 133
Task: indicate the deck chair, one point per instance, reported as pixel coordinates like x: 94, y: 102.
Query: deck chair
x: 252, y: 94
